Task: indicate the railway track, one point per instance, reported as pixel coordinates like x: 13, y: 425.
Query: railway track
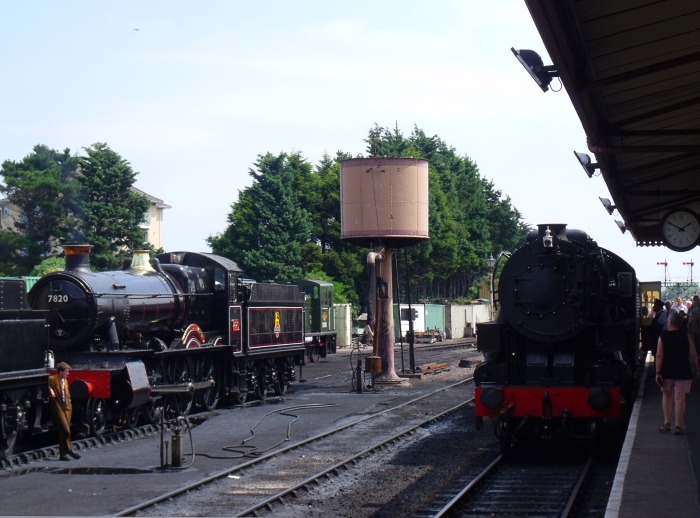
x: 509, y: 487
x: 268, y: 481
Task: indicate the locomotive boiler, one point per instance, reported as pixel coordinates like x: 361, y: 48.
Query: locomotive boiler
x: 167, y: 333
x: 561, y: 355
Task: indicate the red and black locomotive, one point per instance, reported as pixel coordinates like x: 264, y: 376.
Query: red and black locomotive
x: 180, y: 330
x: 561, y: 356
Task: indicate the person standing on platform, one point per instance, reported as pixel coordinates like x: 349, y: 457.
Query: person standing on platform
x: 676, y: 362
x: 658, y: 324
x: 62, y: 410
x: 694, y: 321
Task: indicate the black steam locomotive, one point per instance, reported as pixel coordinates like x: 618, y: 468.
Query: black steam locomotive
x: 561, y: 356
x: 23, y: 373
x: 162, y: 334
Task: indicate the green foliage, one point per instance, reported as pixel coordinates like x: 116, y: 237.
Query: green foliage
x: 112, y: 212
x: 44, y: 189
x: 269, y: 225
x: 62, y: 198
x: 288, y: 221
x: 340, y: 290
x: 49, y: 265
x: 14, y: 262
x: 468, y: 218
x: 285, y: 225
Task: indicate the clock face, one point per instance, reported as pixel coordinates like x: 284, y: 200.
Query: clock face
x: 680, y: 229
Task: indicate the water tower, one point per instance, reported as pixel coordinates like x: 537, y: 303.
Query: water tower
x: 384, y: 206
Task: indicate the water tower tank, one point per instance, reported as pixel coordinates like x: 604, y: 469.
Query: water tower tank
x: 384, y: 201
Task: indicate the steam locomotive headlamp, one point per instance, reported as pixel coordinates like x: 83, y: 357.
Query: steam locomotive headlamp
x: 548, y: 240
x: 532, y: 62
x: 599, y: 399
x: 491, y: 397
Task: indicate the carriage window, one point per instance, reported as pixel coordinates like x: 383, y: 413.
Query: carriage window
x: 219, y: 279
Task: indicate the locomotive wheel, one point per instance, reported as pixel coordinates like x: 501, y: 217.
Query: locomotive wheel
x: 7, y: 445
x: 153, y: 410
x: 129, y: 418
x: 181, y: 404
x: 280, y: 385
x: 261, y: 387
x: 313, y: 354
x: 238, y: 393
x: 209, y: 397
x: 96, y: 416
x: 505, y: 434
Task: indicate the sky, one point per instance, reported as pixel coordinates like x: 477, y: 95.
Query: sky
x: 191, y: 93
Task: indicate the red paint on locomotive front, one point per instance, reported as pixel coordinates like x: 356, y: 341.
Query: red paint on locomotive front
x: 532, y: 402
x: 99, y: 381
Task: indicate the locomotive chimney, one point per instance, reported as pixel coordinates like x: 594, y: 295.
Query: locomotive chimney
x: 141, y: 262
x: 77, y: 257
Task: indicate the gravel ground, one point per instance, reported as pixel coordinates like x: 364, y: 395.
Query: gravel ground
x: 397, y: 481
x: 403, y: 480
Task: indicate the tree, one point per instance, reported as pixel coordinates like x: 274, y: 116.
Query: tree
x: 112, y: 211
x: 468, y: 219
x: 49, y: 265
x: 268, y: 225
x: 287, y: 224
x: 44, y: 189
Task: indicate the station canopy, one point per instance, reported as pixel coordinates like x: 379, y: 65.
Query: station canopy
x: 632, y: 71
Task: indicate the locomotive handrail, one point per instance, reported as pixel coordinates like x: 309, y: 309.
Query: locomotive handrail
x: 149, y: 295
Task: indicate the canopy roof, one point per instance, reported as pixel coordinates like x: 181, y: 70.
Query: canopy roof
x: 632, y: 71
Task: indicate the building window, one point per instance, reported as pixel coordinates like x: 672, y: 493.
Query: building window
x: 146, y: 221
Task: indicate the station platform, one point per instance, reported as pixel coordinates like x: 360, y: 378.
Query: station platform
x: 657, y: 474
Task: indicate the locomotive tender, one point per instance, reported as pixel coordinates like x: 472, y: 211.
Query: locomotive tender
x: 561, y: 356
x: 167, y: 333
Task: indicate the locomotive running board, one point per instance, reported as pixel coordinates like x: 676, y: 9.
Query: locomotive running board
x: 182, y: 388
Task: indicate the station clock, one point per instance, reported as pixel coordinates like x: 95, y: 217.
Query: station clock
x: 680, y: 229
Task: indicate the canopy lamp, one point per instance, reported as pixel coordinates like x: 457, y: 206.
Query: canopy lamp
x: 608, y: 205
x: 621, y: 226
x: 585, y: 162
x: 532, y: 62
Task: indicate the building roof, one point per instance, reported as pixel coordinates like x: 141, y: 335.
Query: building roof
x: 632, y: 71
x: 157, y: 201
